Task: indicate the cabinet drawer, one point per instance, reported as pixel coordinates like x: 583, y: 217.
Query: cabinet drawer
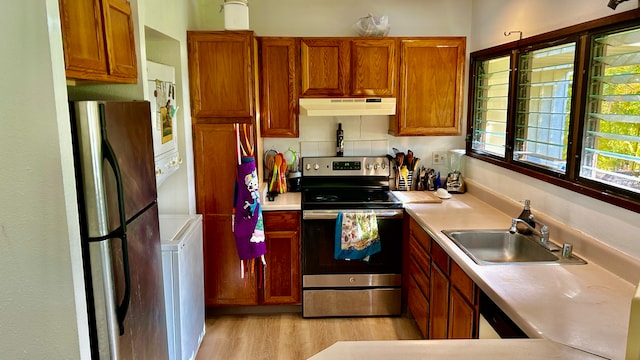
x: 440, y: 257
x: 419, y: 276
x: 462, y: 282
x: 281, y: 220
x: 421, y: 236
x: 422, y: 257
x: 419, y: 307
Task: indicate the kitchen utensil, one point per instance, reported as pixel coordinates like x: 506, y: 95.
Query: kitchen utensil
x: 283, y: 173
x: 404, y: 172
x: 274, y: 176
x: 410, y: 160
x: 292, y: 159
x: 400, y: 159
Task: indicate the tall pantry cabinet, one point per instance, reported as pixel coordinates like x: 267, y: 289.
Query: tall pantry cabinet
x: 224, y: 82
x: 222, y: 87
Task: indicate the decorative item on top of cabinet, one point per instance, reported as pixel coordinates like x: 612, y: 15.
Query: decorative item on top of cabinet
x: 430, y: 87
x: 279, y: 74
x: 343, y: 67
x: 98, y: 40
x: 222, y: 75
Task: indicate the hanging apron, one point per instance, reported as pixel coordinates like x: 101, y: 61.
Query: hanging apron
x: 248, y: 226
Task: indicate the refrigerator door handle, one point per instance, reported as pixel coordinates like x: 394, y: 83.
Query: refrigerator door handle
x: 121, y: 310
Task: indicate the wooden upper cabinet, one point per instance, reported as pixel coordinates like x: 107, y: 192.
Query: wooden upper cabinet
x: 279, y: 74
x: 325, y: 67
x: 343, y: 67
x: 221, y: 75
x: 373, y: 67
x: 118, y: 28
x: 430, y: 87
x: 98, y: 40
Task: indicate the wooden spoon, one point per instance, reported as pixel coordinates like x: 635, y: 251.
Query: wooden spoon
x: 276, y: 169
x: 283, y: 174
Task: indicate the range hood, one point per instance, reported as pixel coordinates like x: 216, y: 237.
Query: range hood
x: 347, y: 106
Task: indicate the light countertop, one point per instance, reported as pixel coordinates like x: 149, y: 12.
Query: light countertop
x: 522, y: 349
x: 286, y: 201
x: 582, y: 306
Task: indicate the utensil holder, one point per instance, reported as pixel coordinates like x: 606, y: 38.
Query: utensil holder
x: 401, y: 183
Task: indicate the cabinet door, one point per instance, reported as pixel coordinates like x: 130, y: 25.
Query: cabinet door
x: 462, y: 317
x: 223, y: 284
x: 439, y: 301
x: 373, y: 67
x: 83, y: 37
x: 221, y: 76
x: 215, y: 167
x: 278, y: 87
x: 325, y: 67
x: 118, y: 28
x: 431, y: 87
x: 282, y: 273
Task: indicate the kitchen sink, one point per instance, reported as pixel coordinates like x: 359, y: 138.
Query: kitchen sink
x: 490, y: 247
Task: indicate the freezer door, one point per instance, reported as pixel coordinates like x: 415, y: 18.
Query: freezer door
x: 129, y: 133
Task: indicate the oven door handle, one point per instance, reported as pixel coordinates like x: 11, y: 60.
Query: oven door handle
x: 332, y: 214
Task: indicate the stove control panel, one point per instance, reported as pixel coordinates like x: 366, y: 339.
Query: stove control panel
x: 346, y: 166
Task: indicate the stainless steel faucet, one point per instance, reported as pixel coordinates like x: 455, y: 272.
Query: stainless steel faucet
x: 543, y: 233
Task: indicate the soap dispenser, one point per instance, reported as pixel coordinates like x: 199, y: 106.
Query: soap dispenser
x: 526, y: 216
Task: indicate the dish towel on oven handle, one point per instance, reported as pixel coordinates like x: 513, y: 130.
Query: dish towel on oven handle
x: 357, y: 236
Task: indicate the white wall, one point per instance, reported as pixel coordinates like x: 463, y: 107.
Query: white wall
x: 611, y: 224
x: 491, y: 18
x: 42, y: 308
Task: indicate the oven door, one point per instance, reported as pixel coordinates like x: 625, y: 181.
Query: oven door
x: 318, y: 240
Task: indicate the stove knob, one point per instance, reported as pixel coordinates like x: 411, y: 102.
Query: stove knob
x: 376, y: 166
x: 308, y: 167
x: 384, y: 166
x: 368, y: 166
x: 316, y: 167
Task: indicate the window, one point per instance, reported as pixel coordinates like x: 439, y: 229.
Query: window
x: 564, y: 107
x: 611, y: 148
x: 545, y: 78
x: 491, y: 105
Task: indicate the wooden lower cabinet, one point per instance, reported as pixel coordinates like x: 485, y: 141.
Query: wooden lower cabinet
x: 439, y: 304
x: 462, y: 317
x: 282, y: 273
x: 442, y: 298
x: 222, y: 282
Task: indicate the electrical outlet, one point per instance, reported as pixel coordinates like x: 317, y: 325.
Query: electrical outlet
x: 439, y: 157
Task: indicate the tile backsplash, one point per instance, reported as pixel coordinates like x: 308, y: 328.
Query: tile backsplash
x: 363, y: 135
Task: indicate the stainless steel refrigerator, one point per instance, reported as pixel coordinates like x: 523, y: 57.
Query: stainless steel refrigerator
x: 119, y: 224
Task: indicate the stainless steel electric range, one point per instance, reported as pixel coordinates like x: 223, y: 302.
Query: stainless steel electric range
x: 331, y: 287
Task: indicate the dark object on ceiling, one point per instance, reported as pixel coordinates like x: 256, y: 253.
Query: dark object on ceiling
x: 614, y: 3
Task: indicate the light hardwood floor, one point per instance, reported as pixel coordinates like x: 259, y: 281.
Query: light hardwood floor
x: 291, y: 337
